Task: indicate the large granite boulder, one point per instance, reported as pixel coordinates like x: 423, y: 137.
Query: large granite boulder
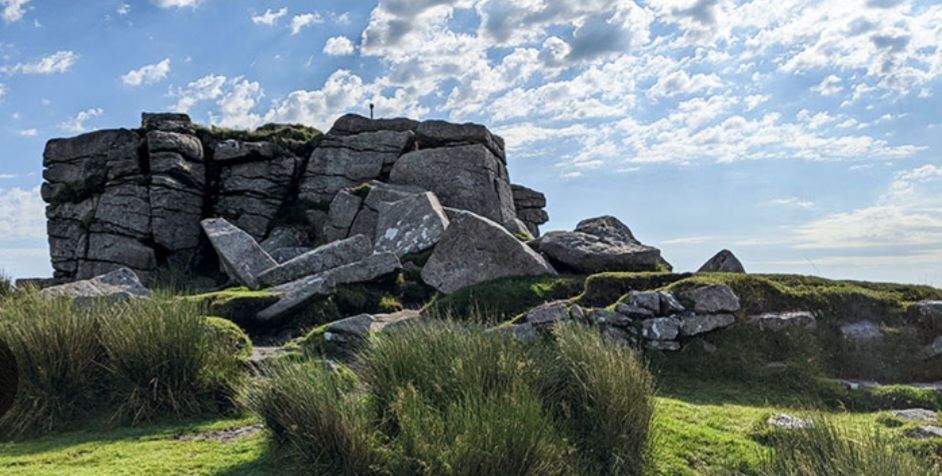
x: 723, y: 262
x: 474, y: 249
x: 116, y: 287
x: 320, y: 259
x: 410, y: 225
x: 346, y: 161
x: 468, y: 177
x: 597, y: 245
x: 240, y: 255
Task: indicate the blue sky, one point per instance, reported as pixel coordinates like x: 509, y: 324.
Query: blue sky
x: 803, y: 135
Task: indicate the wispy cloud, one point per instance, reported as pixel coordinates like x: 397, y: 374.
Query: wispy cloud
x: 58, y: 62
x: 269, y: 17
x: 77, y: 123
x: 149, y: 74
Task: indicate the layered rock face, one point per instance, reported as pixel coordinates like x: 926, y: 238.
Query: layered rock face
x: 135, y: 198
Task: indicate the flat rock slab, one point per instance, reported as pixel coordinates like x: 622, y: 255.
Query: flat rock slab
x: 320, y: 259
x: 119, y: 286
x: 410, y: 225
x: 473, y: 250
x: 862, y: 331
x: 917, y: 414
x: 715, y: 298
x: 242, y: 257
x: 431, y: 134
x: 661, y: 328
x: 788, y: 422
x: 226, y: 435
x: 696, y: 324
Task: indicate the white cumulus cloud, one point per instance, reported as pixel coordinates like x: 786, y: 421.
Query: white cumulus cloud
x: 148, y: 74
x: 269, y: 17
x: 299, y: 22
x: 58, y: 62
x: 338, y: 46
x: 177, y: 3
x: 13, y: 10
x: 77, y: 123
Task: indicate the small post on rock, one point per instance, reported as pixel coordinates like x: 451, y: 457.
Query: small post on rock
x: 371, y: 110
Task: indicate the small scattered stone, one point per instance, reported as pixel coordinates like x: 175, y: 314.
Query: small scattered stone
x: 862, y: 331
x: 650, y: 300
x: 701, y: 323
x: 663, y: 345
x: 634, y: 312
x: 916, y: 414
x: 776, y: 322
x: 549, y: 313
x: 788, y: 422
x: 927, y: 431
x: 116, y: 287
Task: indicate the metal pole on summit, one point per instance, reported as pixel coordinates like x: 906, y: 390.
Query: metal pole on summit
x: 371, y: 110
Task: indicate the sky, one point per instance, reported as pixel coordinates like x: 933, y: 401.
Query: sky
x: 803, y: 135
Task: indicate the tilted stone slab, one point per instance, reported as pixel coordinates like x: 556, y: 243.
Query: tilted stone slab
x: 410, y: 225
x: 241, y: 256
x: 350, y: 124
x: 473, y: 250
x: 299, y: 293
x: 323, y: 258
x: 343, y: 211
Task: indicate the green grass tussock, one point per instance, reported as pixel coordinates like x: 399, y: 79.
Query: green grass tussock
x: 603, y: 289
x: 131, y: 363
x: 443, y: 398
x: 827, y: 449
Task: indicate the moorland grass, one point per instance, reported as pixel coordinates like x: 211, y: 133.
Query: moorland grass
x: 446, y: 398
x: 134, y: 362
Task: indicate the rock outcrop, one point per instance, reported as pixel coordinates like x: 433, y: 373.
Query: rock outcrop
x: 597, y: 245
x: 723, y: 262
x: 474, y: 249
x: 136, y: 198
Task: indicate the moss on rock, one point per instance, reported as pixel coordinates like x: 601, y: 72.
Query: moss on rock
x: 499, y: 300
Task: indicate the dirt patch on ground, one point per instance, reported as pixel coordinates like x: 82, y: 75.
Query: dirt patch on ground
x: 226, y: 435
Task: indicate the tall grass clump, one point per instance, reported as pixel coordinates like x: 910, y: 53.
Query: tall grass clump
x: 130, y: 362
x: 161, y: 359
x: 56, y: 349
x: 443, y: 398
x: 317, y: 416
x: 603, y: 395
x: 827, y: 450
x: 6, y: 284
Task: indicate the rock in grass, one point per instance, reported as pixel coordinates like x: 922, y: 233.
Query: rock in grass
x: 356, y: 326
x: 662, y: 345
x: 917, y: 414
x: 926, y: 432
x: 696, y: 324
x: 927, y: 313
x: 782, y: 321
x: 320, y: 259
x: 934, y: 349
x: 116, y: 287
x: 649, y: 300
x: 410, y: 225
x: 597, y: 245
x: 723, y: 262
x: 862, y: 331
x: 661, y: 328
x: 549, y: 313
x: 473, y: 250
x: 715, y: 298
x: 241, y: 256
x: 788, y: 422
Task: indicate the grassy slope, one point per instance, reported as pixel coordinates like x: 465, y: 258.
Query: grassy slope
x: 702, y: 428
